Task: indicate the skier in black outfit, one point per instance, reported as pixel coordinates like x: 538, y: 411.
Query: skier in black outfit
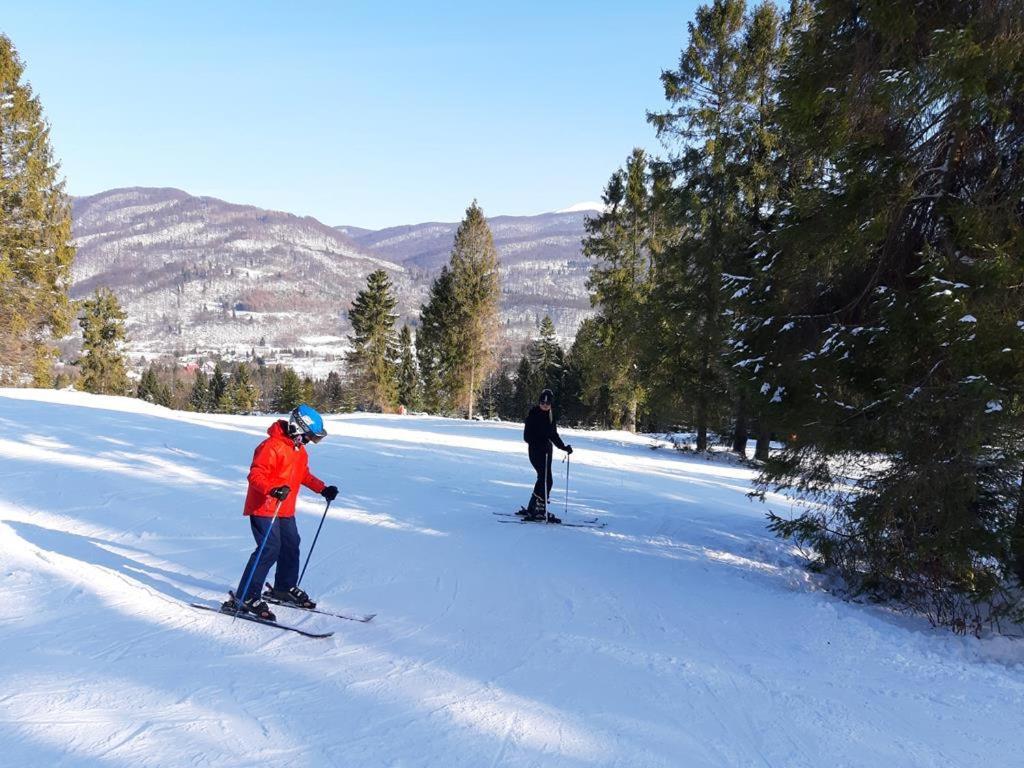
x: 539, y: 433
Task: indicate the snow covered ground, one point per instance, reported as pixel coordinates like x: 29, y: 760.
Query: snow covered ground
x: 680, y: 635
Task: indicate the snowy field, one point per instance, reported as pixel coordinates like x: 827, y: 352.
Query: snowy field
x: 680, y: 635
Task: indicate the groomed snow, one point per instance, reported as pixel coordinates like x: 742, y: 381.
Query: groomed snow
x: 681, y: 635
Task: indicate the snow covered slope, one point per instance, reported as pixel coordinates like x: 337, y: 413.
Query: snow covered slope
x: 680, y: 635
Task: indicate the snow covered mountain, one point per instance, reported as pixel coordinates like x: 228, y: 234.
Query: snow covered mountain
x: 542, y: 268
x: 198, y: 275
x: 683, y: 634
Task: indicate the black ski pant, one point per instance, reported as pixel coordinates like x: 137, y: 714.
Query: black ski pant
x: 282, y: 548
x: 540, y: 458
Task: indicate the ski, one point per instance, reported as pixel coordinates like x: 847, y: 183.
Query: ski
x: 593, y: 521
x: 598, y: 526
x: 363, y: 617
x: 349, y: 616
x: 258, y: 620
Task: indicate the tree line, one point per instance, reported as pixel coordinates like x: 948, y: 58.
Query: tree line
x: 831, y: 253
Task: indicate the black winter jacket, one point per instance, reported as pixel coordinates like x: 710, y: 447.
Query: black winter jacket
x: 540, y: 429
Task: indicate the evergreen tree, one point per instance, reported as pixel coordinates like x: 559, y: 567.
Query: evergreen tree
x: 547, y: 358
x: 373, y: 358
x: 709, y: 99
x: 591, y: 377
x: 35, y: 235
x: 241, y: 395
x: 624, y: 241
x: 290, y: 392
x: 147, y: 386
x: 527, y: 388
x: 102, y: 364
x: 329, y: 396
x: 152, y: 390
x: 436, y: 345
x: 199, y: 398
x: 503, y: 390
x: 892, y: 277
x: 218, y: 388
x: 474, y: 268
x: 408, y: 373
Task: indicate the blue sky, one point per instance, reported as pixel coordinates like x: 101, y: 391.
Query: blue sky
x: 371, y: 114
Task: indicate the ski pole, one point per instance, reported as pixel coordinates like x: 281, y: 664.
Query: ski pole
x: 239, y: 599
x: 547, y: 484
x: 310, y: 553
x: 568, y: 458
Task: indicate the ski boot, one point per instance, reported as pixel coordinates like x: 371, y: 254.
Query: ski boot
x: 293, y: 596
x: 253, y: 605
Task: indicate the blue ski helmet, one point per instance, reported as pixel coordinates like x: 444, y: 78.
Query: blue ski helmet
x: 305, y: 422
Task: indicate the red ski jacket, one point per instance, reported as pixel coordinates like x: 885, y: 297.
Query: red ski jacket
x: 278, y: 461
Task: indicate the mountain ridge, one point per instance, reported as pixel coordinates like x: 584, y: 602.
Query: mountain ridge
x: 202, y: 276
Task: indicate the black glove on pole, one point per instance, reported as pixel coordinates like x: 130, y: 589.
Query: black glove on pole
x: 310, y: 553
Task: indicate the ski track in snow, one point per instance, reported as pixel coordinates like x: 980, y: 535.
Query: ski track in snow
x: 682, y: 634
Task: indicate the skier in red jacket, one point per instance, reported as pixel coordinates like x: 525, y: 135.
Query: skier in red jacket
x: 279, y: 466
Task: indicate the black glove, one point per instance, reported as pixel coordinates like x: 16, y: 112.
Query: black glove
x: 330, y: 492
x: 568, y: 449
x: 281, y: 492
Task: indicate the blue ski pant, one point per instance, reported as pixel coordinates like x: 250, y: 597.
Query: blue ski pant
x: 282, y: 548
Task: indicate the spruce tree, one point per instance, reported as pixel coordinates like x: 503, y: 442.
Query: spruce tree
x: 893, y: 279
x: 241, y: 395
x: 35, y: 234
x: 372, y: 362
x: 330, y: 394
x: 474, y: 269
x: 290, y: 392
x: 218, y: 387
x: 147, y: 389
x: 152, y: 389
x: 102, y: 364
x: 408, y: 372
x: 199, y: 397
x: 709, y: 99
x: 624, y: 241
x: 592, y: 375
x: 527, y: 388
x: 547, y: 358
x: 436, y: 345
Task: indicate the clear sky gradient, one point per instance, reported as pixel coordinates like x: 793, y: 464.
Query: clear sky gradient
x: 370, y: 114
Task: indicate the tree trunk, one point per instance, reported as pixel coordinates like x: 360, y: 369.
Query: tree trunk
x: 1017, y: 537
x: 631, y: 414
x: 739, y: 438
x: 702, y: 422
x: 472, y: 374
x: 763, y: 441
